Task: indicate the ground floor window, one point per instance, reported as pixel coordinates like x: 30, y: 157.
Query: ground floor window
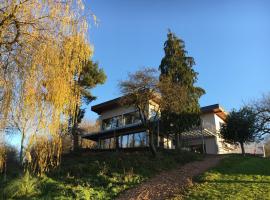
x: 140, y: 139
x: 133, y: 140
x: 108, y: 143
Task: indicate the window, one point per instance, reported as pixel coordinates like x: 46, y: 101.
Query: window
x: 131, y: 140
x: 140, y: 139
x: 106, y: 124
x: 136, y: 118
x: 107, y: 143
x: 120, y: 120
x: 124, y: 141
x: 128, y: 118
x: 113, y: 122
x: 116, y: 122
x: 131, y: 118
x: 112, y: 143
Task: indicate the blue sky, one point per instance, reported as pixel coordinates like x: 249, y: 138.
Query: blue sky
x: 229, y: 40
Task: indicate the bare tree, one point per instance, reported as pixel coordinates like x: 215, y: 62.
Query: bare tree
x: 88, y: 126
x: 139, y: 90
x: 262, y: 110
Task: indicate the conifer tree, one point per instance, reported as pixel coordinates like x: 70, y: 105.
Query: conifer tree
x: 90, y: 76
x: 176, y: 74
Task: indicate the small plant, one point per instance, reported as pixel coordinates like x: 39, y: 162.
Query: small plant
x: 24, y: 186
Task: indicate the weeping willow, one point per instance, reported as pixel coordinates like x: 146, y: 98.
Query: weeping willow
x: 43, y: 46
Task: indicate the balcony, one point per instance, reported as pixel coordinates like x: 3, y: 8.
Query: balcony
x: 121, y: 121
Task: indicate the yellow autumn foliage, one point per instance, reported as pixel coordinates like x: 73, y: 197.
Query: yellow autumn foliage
x: 43, y: 46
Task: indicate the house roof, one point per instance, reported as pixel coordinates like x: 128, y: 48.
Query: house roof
x: 215, y: 108
x: 114, y: 103
x: 107, y: 105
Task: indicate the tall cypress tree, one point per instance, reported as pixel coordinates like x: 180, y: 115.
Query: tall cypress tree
x: 178, y: 78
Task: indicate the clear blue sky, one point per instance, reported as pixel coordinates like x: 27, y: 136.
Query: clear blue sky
x: 229, y: 40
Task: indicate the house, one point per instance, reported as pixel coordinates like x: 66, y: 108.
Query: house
x: 121, y: 128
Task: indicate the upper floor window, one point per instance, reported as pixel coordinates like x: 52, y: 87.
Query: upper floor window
x: 131, y: 118
x: 113, y: 122
x: 120, y: 120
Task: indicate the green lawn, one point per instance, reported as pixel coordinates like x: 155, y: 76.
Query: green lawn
x: 236, y: 177
x: 91, y: 176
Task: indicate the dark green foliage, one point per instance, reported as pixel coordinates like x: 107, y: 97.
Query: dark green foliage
x: 94, y: 175
x: 236, y: 177
x: 177, y: 74
x: 239, y: 127
x: 90, y: 76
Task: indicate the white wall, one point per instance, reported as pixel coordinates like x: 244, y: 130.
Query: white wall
x: 208, y: 121
x: 213, y: 123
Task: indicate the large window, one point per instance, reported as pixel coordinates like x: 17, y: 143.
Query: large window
x: 141, y: 139
x: 107, y: 143
x: 120, y: 120
x: 133, y: 140
x: 131, y: 118
x: 113, y: 122
x: 126, y: 141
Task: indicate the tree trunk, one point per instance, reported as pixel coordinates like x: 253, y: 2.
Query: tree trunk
x: 75, y: 141
x: 21, y: 148
x: 151, y: 143
x: 242, y: 148
x: 116, y: 143
x: 74, y: 130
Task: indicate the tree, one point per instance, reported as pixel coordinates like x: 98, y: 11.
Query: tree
x: 239, y: 127
x: 267, y: 148
x: 177, y: 77
x: 89, y: 77
x: 262, y: 110
x: 139, y: 90
x: 43, y: 45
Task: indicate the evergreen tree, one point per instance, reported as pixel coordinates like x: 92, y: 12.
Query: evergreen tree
x: 90, y: 76
x: 240, y: 127
x: 182, y: 111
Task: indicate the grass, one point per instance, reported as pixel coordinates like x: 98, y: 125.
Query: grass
x: 92, y: 175
x: 236, y: 177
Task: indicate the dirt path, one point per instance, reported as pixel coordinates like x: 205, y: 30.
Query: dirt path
x: 167, y: 184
